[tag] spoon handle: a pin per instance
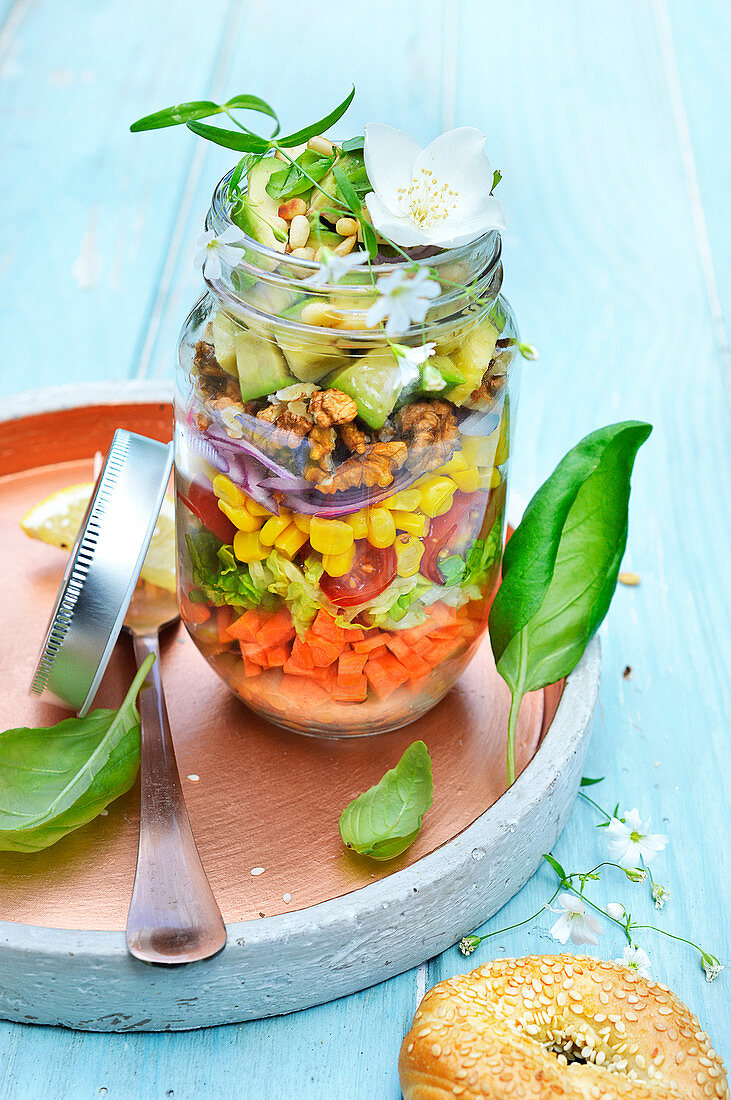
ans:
(173, 916)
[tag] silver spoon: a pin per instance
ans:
(173, 916)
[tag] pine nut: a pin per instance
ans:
(345, 246)
(629, 578)
(303, 253)
(346, 227)
(316, 313)
(299, 232)
(320, 145)
(289, 210)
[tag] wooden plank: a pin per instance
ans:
(88, 208)
(604, 267)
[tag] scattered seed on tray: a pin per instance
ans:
(629, 578)
(194, 778)
(627, 672)
(286, 898)
(257, 870)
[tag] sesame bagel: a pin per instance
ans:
(557, 1026)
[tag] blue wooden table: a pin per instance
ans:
(606, 121)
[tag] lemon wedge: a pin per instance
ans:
(57, 518)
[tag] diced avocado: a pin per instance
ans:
(224, 342)
(309, 359)
(472, 359)
(419, 389)
(261, 365)
(447, 369)
(350, 163)
(321, 237)
(257, 213)
(372, 382)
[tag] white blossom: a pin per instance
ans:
(630, 842)
(410, 359)
(333, 267)
(636, 959)
(615, 910)
(217, 249)
(439, 196)
(711, 966)
(576, 922)
(660, 894)
(403, 299)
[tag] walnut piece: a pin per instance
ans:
(354, 438)
(374, 467)
(332, 407)
(431, 428)
(212, 378)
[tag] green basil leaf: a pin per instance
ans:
(346, 189)
(230, 139)
(586, 782)
(353, 145)
(174, 116)
(317, 127)
(54, 780)
(560, 567)
(556, 866)
(385, 820)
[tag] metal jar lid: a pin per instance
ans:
(102, 571)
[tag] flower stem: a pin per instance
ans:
(520, 923)
(596, 805)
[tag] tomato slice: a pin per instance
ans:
(203, 503)
(371, 573)
(454, 531)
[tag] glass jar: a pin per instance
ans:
(341, 508)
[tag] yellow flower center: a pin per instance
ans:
(428, 201)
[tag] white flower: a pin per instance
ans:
(660, 894)
(630, 841)
(437, 196)
(468, 944)
(575, 922)
(615, 910)
(636, 959)
(403, 299)
(215, 249)
(410, 359)
(333, 267)
(711, 966)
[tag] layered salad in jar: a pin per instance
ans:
(344, 406)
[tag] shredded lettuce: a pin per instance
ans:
(471, 571)
(219, 577)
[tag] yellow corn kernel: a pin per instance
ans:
(408, 500)
(503, 447)
(225, 489)
(490, 479)
(409, 552)
(273, 528)
(302, 523)
(332, 537)
(434, 493)
(248, 546)
(257, 509)
(381, 528)
(337, 565)
(240, 517)
(456, 463)
(479, 450)
(359, 522)
(413, 522)
(290, 541)
(467, 480)
(444, 508)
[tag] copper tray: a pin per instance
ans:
(258, 797)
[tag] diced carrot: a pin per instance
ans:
(354, 634)
(423, 648)
(442, 650)
(414, 634)
(277, 655)
(323, 652)
(302, 654)
(245, 627)
(277, 631)
(291, 668)
(351, 693)
(254, 652)
(379, 651)
(398, 647)
(224, 617)
(251, 669)
(371, 642)
(385, 674)
(445, 633)
(192, 612)
(302, 692)
(350, 667)
(326, 627)
(417, 667)
(325, 677)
